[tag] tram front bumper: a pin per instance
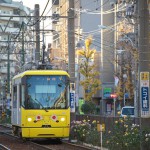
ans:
(45, 132)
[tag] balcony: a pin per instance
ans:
(2, 17)
(4, 69)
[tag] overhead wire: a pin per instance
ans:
(62, 12)
(102, 5)
(68, 8)
(50, 8)
(41, 16)
(97, 12)
(77, 2)
(108, 28)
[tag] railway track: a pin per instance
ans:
(2, 147)
(10, 142)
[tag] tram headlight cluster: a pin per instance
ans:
(62, 119)
(29, 119)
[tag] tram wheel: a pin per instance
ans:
(19, 133)
(25, 139)
(14, 131)
(58, 140)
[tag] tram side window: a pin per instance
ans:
(23, 95)
(15, 97)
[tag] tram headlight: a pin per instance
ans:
(29, 119)
(62, 119)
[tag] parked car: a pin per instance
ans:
(128, 111)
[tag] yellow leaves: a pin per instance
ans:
(90, 83)
(88, 53)
(116, 122)
(118, 112)
(88, 42)
(81, 52)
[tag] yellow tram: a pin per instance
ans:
(40, 104)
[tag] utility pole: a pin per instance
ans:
(71, 41)
(8, 78)
(8, 66)
(37, 32)
(43, 47)
(23, 58)
(144, 57)
(144, 61)
(71, 53)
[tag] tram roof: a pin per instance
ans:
(41, 72)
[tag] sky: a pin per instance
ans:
(42, 4)
(31, 4)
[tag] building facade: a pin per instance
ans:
(11, 27)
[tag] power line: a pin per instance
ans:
(41, 15)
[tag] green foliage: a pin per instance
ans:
(125, 135)
(88, 107)
(93, 137)
(79, 130)
(84, 131)
(5, 119)
(146, 138)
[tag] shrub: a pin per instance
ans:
(124, 135)
(88, 107)
(79, 130)
(146, 139)
(93, 136)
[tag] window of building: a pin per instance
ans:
(16, 12)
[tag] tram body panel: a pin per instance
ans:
(16, 107)
(48, 119)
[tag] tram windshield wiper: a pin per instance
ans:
(41, 105)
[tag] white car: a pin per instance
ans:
(127, 111)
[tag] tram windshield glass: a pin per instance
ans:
(47, 92)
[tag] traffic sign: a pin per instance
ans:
(145, 98)
(144, 76)
(144, 83)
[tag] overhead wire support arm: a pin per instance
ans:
(44, 30)
(19, 41)
(35, 16)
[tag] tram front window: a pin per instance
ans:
(47, 92)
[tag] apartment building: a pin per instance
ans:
(11, 25)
